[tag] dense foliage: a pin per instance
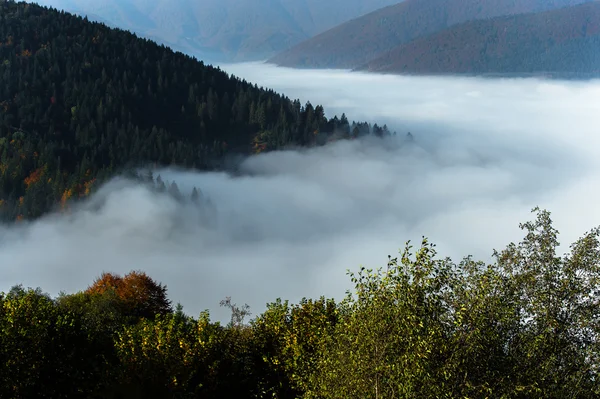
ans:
(525, 326)
(80, 101)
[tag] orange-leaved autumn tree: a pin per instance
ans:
(141, 295)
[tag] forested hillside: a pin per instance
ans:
(526, 326)
(558, 41)
(363, 39)
(80, 101)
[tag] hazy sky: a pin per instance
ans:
(485, 153)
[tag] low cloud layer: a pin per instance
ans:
(485, 153)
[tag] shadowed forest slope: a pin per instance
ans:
(80, 101)
(559, 41)
(361, 40)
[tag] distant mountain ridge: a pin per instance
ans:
(222, 30)
(566, 40)
(356, 42)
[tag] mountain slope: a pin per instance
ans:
(79, 102)
(356, 42)
(219, 30)
(559, 41)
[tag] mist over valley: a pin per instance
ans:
(290, 223)
(175, 228)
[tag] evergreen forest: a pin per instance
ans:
(81, 102)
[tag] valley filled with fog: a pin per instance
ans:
(289, 225)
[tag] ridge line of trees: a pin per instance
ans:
(81, 102)
(525, 326)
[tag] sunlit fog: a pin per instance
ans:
(289, 224)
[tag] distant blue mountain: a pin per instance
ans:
(223, 30)
(357, 42)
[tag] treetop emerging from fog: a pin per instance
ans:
(525, 326)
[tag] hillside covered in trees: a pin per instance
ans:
(525, 326)
(356, 42)
(80, 102)
(558, 41)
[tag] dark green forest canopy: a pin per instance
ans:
(79, 102)
(525, 326)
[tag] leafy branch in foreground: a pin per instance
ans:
(525, 326)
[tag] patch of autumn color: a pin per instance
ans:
(22, 155)
(259, 145)
(316, 132)
(88, 187)
(20, 218)
(34, 177)
(21, 201)
(2, 202)
(65, 197)
(105, 282)
(35, 154)
(141, 295)
(25, 53)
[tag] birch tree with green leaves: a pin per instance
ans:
(526, 326)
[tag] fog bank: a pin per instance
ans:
(485, 152)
